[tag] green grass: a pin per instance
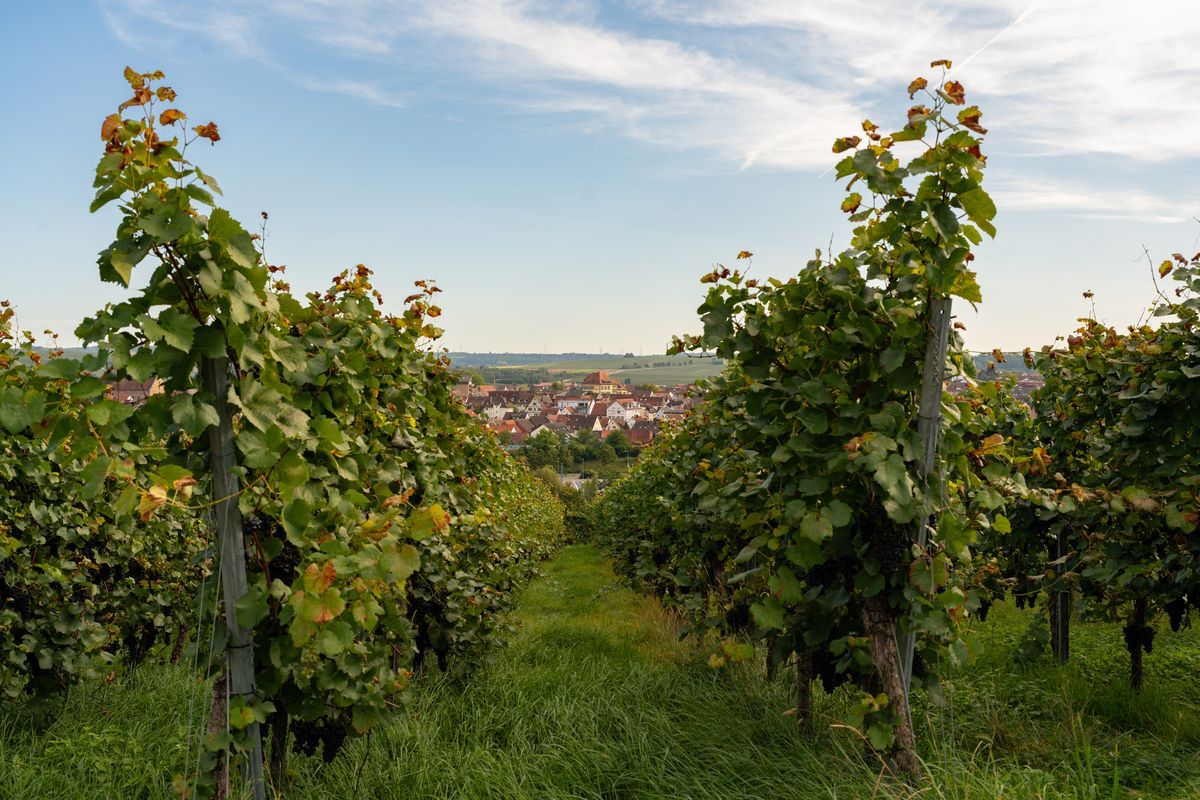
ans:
(613, 362)
(669, 376)
(597, 698)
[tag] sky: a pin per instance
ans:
(566, 171)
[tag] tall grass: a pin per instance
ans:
(597, 698)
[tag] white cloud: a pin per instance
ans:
(359, 89)
(1071, 76)
(752, 83)
(138, 23)
(1086, 200)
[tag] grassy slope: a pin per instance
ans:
(669, 376)
(610, 363)
(596, 698)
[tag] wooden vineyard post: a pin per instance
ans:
(929, 418)
(1060, 611)
(877, 618)
(804, 678)
(228, 520)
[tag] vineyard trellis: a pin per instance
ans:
(778, 510)
(382, 529)
(383, 524)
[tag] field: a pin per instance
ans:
(596, 697)
(640, 370)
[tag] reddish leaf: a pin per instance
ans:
(846, 143)
(941, 62)
(134, 78)
(140, 98)
(208, 131)
(171, 116)
(317, 580)
(955, 92)
(917, 85)
(969, 118)
(111, 124)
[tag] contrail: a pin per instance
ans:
(993, 40)
(1020, 18)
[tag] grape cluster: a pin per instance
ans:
(831, 572)
(984, 607)
(1138, 637)
(329, 734)
(891, 545)
(1176, 611)
(737, 618)
(284, 566)
(824, 667)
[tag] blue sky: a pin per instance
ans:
(566, 171)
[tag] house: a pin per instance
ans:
(496, 412)
(642, 432)
(540, 404)
(573, 423)
(134, 392)
(626, 409)
(462, 389)
(578, 404)
(517, 398)
(600, 382)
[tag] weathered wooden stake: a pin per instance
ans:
(877, 618)
(804, 679)
(929, 418)
(228, 519)
(218, 716)
(1138, 622)
(1060, 612)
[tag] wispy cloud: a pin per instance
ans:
(1093, 76)
(1083, 199)
(763, 84)
(141, 24)
(359, 89)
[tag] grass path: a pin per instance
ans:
(596, 698)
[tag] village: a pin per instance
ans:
(596, 402)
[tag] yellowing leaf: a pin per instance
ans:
(846, 143)
(151, 500)
(425, 522)
(171, 116)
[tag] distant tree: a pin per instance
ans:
(586, 446)
(621, 445)
(546, 450)
(474, 375)
(557, 386)
(548, 475)
(628, 355)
